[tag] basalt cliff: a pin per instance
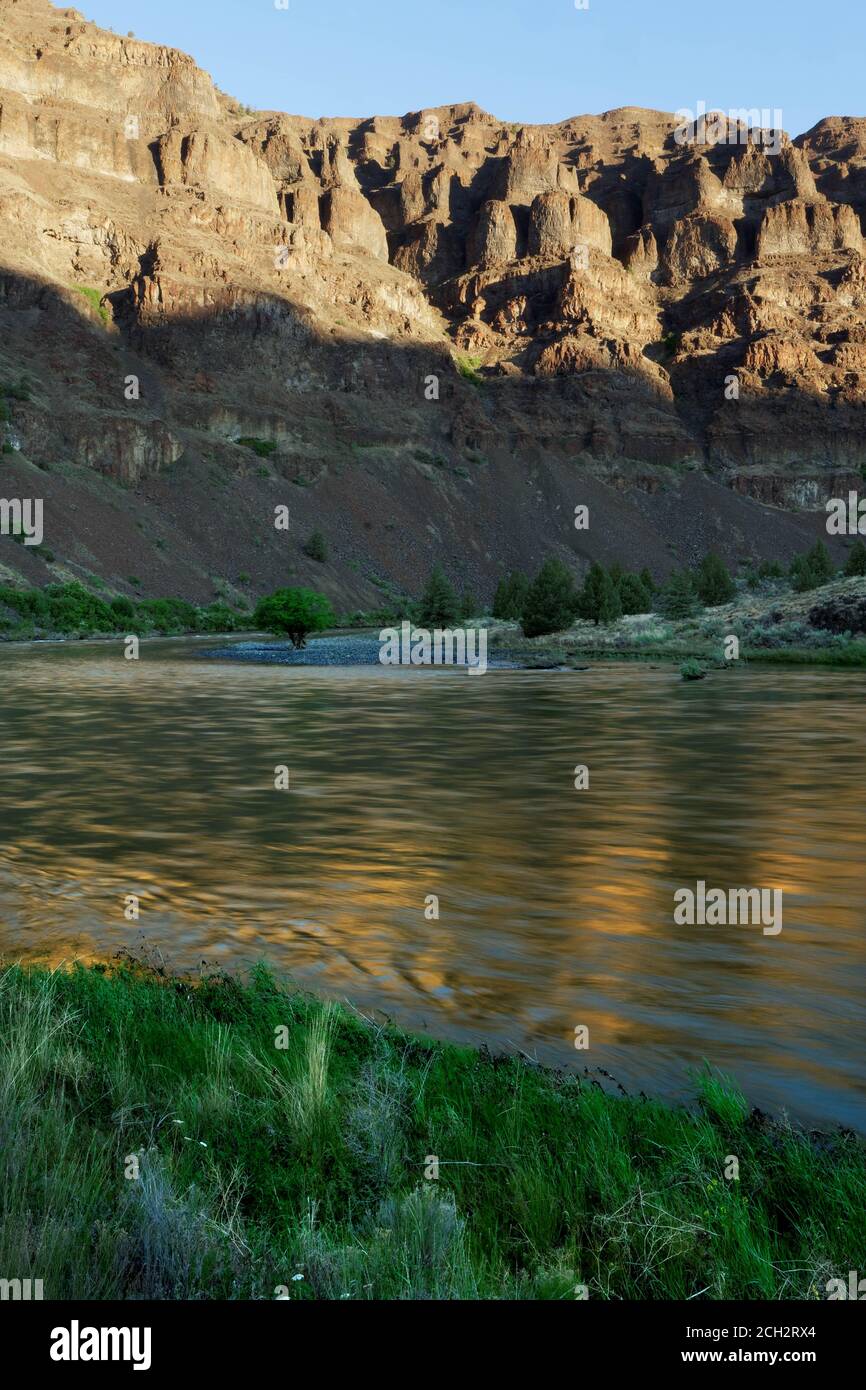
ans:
(437, 333)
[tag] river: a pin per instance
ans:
(156, 778)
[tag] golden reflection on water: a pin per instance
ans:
(556, 906)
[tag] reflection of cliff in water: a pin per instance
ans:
(555, 905)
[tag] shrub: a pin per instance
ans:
(294, 613)
(94, 299)
(17, 391)
(262, 447)
(169, 615)
(692, 671)
(217, 617)
(317, 548)
(75, 609)
(123, 610)
(468, 366)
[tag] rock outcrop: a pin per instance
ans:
(179, 274)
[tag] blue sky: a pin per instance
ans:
(522, 60)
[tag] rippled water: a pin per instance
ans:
(556, 906)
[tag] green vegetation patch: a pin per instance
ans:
(72, 610)
(468, 367)
(262, 447)
(228, 1140)
(94, 299)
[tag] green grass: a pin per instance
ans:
(852, 654)
(468, 367)
(258, 1163)
(94, 298)
(263, 448)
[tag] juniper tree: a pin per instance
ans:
(589, 602)
(634, 594)
(856, 562)
(811, 570)
(510, 597)
(678, 596)
(610, 603)
(713, 583)
(439, 604)
(550, 601)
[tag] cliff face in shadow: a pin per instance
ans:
(450, 331)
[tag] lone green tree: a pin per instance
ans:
(550, 601)
(713, 582)
(294, 613)
(439, 604)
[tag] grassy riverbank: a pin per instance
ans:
(303, 1165)
(772, 625)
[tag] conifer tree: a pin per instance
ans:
(678, 596)
(610, 603)
(510, 597)
(550, 602)
(439, 604)
(589, 600)
(856, 562)
(713, 583)
(634, 595)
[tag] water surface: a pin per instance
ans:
(156, 778)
